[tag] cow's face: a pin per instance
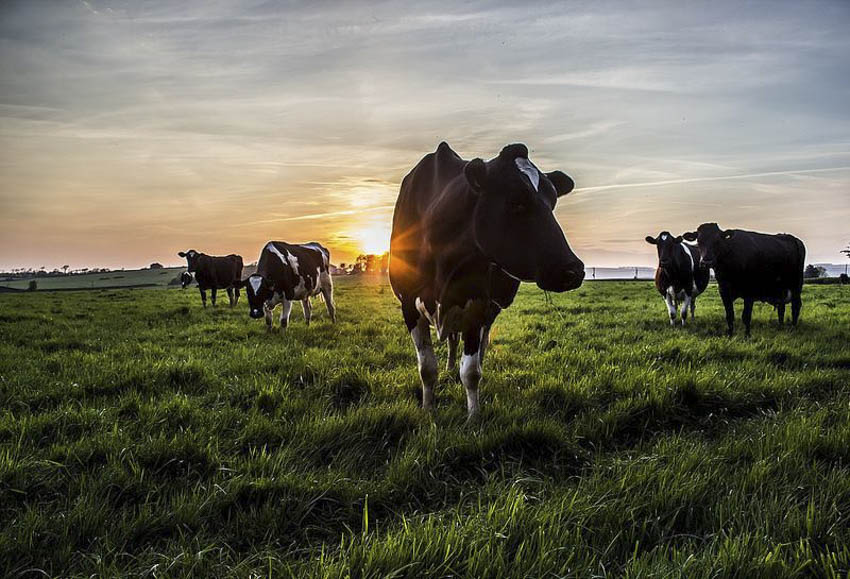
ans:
(186, 279)
(191, 258)
(713, 242)
(666, 245)
(513, 221)
(259, 290)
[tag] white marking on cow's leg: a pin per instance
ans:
(470, 375)
(327, 285)
(685, 305)
(421, 335)
(671, 305)
(451, 364)
(308, 310)
(267, 310)
(284, 314)
(485, 343)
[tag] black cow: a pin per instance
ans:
(755, 267)
(214, 273)
(465, 233)
(186, 279)
(679, 277)
(288, 272)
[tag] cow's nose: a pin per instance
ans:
(563, 280)
(256, 314)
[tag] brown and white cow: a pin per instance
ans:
(680, 277)
(464, 235)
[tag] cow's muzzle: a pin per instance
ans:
(257, 314)
(565, 280)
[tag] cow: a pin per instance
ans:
(287, 272)
(186, 280)
(679, 277)
(464, 235)
(214, 273)
(755, 267)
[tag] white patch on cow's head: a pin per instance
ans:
(256, 281)
(663, 237)
(529, 170)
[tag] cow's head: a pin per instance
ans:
(666, 245)
(513, 220)
(259, 290)
(713, 242)
(192, 258)
(186, 279)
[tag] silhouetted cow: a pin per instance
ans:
(465, 233)
(753, 266)
(679, 277)
(214, 273)
(287, 272)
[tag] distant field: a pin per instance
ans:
(136, 277)
(143, 435)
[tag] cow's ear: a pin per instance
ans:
(678, 239)
(181, 253)
(562, 182)
(728, 234)
(690, 236)
(475, 172)
(651, 240)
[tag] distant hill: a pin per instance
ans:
(126, 278)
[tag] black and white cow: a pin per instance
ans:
(465, 233)
(753, 266)
(680, 277)
(214, 273)
(186, 280)
(287, 272)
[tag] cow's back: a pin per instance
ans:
(761, 266)
(420, 190)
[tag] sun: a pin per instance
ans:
(373, 239)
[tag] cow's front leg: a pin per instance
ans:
(203, 296)
(267, 311)
(427, 361)
(286, 308)
(780, 313)
(212, 295)
(470, 369)
(451, 364)
(747, 315)
(729, 305)
(671, 306)
(308, 310)
(693, 307)
(328, 294)
(796, 305)
(230, 296)
(686, 304)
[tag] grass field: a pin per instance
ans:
(142, 435)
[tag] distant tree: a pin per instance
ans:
(813, 271)
(33, 285)
(65, 268)
(155, 265)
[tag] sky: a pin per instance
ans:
(133, 130)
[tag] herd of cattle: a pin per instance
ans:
(466, 233)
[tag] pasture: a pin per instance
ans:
(143, 435)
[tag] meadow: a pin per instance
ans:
(141, 435)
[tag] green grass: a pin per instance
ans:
(135, 277)
(143, 435)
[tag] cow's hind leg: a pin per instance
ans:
(729, 306)
(308, 310)
(470, 369)
(693, 307)
(485, 343)
(780, 313)
(328, 294)
(203, 296)
(747, 315)
(212, 295)
(685, 305)
(230, 296)
(796, 305)
(671, 306)
(284, 314)
(427, 360)
(451, 364)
